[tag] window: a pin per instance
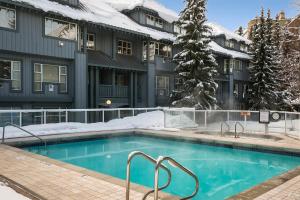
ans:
(154, 21)
(229, 43)
(162, 86)
(44, 73)
(243, 47)
(159, 49)
(228, 65)
(11, 70)
(245, 91)
(124, 47)
(90, 41)
(238, 65)
(60, 29)
(7, 18)
(178, 29)
(236, 89)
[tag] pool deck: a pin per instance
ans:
(51, 179)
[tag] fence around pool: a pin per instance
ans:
(288, 123)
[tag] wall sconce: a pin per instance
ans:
(60, 44)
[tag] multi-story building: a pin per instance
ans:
(91, 53)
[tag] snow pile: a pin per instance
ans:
(220, 30)
(165, 13)
(151, 120)
(98, 12)
(234, 54)
(9, 194)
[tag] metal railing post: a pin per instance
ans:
(67, 117)
(45, 117)
(103, 116)
(194, 116)
(285, 123)
(119, 113)
(228, 116)
(205, 118)
(132, 112)
(20, 119)
(85, 117)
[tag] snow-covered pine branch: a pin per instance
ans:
(196, 65)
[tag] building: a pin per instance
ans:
(283, 21)
(110, 53)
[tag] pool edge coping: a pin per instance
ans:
(266, 186)
(97, 175)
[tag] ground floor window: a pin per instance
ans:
(11, 70)
(162, 85)
(45, 73)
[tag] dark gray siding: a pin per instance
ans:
(27, 94)
(29, 38)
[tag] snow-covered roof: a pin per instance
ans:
(220, 30)
(233, 54)
(98, 12)
(165, 13)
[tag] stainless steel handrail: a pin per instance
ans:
(236, 135)
(224, 123)
(138, 153)
(10, 124)
(176, 164)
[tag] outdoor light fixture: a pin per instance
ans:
(108, 102)
(60, 44)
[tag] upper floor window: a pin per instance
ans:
(157, 48)
(162, 85)
(7, 18)
(229, 43)
(90, 41)
(238, 65)
(243, 47)
(154, 21)
(178, 29)
(124, 47)
(55, 74)
(11, 70)
(230, 64)
(60, 29)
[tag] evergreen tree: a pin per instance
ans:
(196, 66)
(262, 91)
(283, 95)
(240, 31)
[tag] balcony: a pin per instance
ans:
(113, 91)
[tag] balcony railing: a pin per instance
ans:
(110, 91)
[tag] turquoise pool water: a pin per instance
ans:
(222, 172)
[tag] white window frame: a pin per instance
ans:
(154, 21)
(87, 41)
(42, 76)
(166, 83)
(69, 23)
(12, 70)
(127, 48)
(15, 17)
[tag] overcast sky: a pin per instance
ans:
(234, 13)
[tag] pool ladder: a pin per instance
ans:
(158, 164)
(236, 134)
(18, 127)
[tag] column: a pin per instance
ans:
(135, 89)
(150, 79)
(84, 35)
(131, 90)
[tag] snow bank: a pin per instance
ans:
(9, 194)
(165, 13)
(234, 54)
(98, 12)
(151, 120)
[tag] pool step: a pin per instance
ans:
(158, 165)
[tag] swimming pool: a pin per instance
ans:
(222, 171)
